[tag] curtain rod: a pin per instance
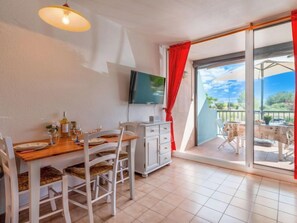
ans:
(249, 27)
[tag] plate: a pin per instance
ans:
(31, 146)
(95, 141)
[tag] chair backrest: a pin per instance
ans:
(8, 162)
(89, 152)
(129, 126)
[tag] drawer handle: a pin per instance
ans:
(165, 137)
(152, 130)
(165, 148)
(165, 128)
(165, 158)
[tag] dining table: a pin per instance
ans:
(283, 134)
(66, 150)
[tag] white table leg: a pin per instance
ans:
(280, 151)
(34, 190)
(237, 145)
(131, 157)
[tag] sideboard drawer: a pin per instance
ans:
(164, 148)
(165, 138)
(164, 128)
(165, 158)
(152, 130)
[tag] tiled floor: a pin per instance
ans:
(188, 191)
(263, 155)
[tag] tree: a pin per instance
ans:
(280, 101)
(241, 100)
(220, 105)
(211, 101)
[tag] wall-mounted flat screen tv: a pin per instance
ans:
(146, 88)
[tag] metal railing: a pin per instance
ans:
(239, 115)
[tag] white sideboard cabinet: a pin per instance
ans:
(153, 149)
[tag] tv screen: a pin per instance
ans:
(146, 88)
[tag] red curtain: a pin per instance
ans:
(294, 31)
(178, 55)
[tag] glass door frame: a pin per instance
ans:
(249, 108)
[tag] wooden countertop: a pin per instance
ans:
(65, 145)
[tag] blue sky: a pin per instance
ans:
(230, 90)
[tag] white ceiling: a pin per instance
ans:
(169, 21)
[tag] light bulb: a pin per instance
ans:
(65, 19)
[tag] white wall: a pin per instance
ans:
(183, 112)
(45, 71)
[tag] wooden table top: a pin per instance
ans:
(65, 145)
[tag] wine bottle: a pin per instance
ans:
(64, 126)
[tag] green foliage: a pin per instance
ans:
(281, 101)
(211, 101)
(220, 105)
(241, 100)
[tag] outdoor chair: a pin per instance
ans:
(224, 134)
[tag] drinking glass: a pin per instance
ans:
(77, 132)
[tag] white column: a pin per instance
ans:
(249, 101)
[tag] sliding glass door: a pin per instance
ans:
(220, 93)
(274, 87)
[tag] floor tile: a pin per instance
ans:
(238, 213)
(216, 205)
(268, 194)
(146, 188)
(121, 217)
(241, 203)
(256, 218)
(265, 211)
(210, 185)
(266, 202)
(190, 206)
(288, 200)
(198, 198)
(158, 193)
(199, 220)
(227, 190)
(229, 219)
(150, 217)
(222, 197)
(290, 209)
(135, 210)
(174, 200)
(148, 201)
(209, 214)
(245, 195)
(180, 216)
(204, 191)
(163, 208)
(286, 218)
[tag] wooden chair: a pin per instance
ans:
(19, 184)
(130, 129)
(94, 166)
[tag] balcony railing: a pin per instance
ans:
(239, 115)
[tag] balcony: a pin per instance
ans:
(263, 155)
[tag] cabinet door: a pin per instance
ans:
(152, 152)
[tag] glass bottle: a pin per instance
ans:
(65, 131)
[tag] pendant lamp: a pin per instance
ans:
(63, 17)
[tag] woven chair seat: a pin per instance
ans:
(123, 155)
(98, 169)
(48, 175)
